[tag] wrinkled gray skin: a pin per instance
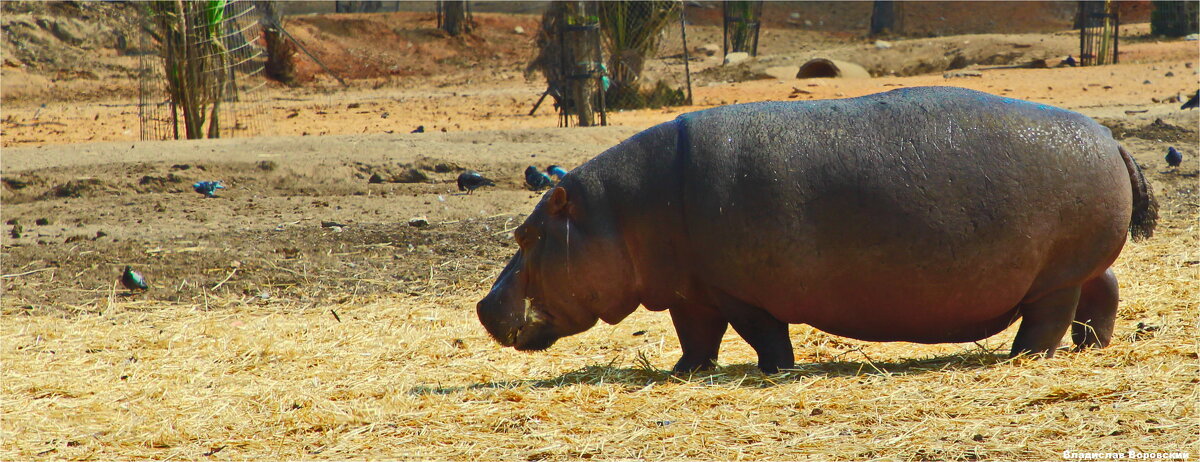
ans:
(925, 215)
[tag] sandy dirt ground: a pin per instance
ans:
(300, 231)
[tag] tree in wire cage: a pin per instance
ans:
(1175, 18)
(632, 31)
(742, 23)
(209, 59)
(194, 60)
(569, 56)
(1099, 33)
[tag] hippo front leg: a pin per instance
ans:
(700, 329)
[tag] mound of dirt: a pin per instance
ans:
(933, 56)
(415, 172)
(740, 72)
(54, 36)
(166, 183)
(390, 45)
(85, 187)
(1154, 131)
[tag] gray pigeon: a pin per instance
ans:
(470, 179)
(1174, 157)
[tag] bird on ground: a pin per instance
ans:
(208, 188)
(1192, 103)
(1070, 61)
(556, 171)
(470, 179)
(536, 179)
(419, 129)
(132, 280)
(1174, 157)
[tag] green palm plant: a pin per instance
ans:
(631, 31)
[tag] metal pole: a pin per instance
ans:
(687, 68)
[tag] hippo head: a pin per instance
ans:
(572, 269)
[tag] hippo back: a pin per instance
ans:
(926, 203)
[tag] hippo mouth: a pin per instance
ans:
(536, 333)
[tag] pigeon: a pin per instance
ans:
(1192, 103)
(419, 129)
(1070, 61)
(208, 188)
(536, 179)
(556, 171)
(470, 179)
(1174, 157)
(132, 280)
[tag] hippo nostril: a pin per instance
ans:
(491, 315)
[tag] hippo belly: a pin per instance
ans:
(898, 219)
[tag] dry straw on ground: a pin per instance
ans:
(416, 378)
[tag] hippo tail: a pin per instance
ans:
(1145, 207)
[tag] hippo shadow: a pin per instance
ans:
(746, 375)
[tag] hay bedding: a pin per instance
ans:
(415, 377)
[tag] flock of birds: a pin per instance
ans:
(468, 181)
(535, 179)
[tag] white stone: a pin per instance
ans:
(734, 58)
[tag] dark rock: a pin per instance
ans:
(446, 167)
(411, 175)
(15, 183)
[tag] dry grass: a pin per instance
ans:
(415, 377)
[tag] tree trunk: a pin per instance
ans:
(582, 49)
(883, 17)
(455, 22)
(280, 50)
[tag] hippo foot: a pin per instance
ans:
(700, 329)
(1044, 322)
(688, 365)
(1097, 312)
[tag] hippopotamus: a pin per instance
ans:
(929, 215)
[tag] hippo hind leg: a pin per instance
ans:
(763, 331)
(1045, 321)
(1097, 312)
(700, 329)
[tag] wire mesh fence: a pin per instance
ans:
(204, 76)
(1175, 18)
(1098, 33)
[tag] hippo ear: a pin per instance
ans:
(558, 204)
